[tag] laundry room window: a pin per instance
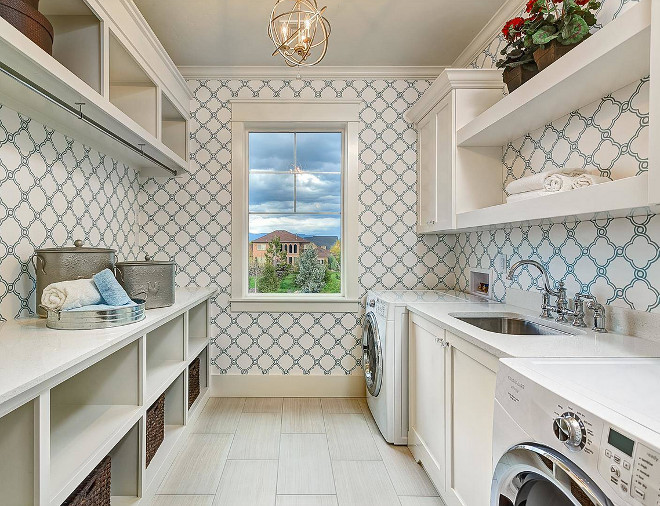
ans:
(298, 182)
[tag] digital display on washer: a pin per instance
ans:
(621, 442)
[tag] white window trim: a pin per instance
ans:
(297, 114)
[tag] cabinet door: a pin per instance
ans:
(426, 436)
(471, 386)
(426, 172)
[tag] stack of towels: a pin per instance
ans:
(551, 181)
(102, 292)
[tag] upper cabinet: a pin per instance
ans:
(109, 84)
(461, 175)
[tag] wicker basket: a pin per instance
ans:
(193, 381)
(95, 489)
(23, 15)
(155, 427)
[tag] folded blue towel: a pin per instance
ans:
(112, 292)
(100, 307)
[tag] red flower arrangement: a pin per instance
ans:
(513, 28)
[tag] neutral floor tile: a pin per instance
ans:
(349, 438)
(340, 405)
(197, 469)
(369, 418)
(263, 405)
(247, 483)
(361, 483)
(182, 500)
(421, 501)
(219, 416)
(306, 500)
(304, 466)
(302, 415)
(408, 477)
(257, 437)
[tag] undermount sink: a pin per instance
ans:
(511, 325)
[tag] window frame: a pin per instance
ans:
(260, 115)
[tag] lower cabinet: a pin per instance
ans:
(452, 395)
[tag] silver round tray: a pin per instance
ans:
(87, 320)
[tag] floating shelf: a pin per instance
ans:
(610, 59)
(622, 197)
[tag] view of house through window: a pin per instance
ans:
(295, 197)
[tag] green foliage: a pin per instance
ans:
(336, 251)
(311, 274)
(268, 282)
(333, 265)
(332, 283)
(277, 257)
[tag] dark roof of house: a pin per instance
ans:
(324, 241)
(283, 235)
(323, 253)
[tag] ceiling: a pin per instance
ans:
(364, 32)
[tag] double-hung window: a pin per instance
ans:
(294, 209)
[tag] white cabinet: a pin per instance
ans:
(452, 396)
(457, 96)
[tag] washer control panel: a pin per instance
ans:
(632, 468)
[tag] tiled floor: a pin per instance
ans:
(292, 452)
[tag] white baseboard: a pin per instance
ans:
(223, 385)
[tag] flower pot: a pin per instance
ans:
(24, 16)
(551, 53)
(515, 76)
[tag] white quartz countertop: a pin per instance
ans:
(31, 354)
(584, 343)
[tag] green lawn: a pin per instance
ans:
(288, 284)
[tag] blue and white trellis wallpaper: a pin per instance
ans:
(615, 259)
(53, 189)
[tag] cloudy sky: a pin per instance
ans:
(317, 182)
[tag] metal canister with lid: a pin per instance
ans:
(63, 264)
(148, 279)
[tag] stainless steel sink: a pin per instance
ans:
(511, 325)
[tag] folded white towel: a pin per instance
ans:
(537, 181)
(588, 180)
(558, 183)
(70, 294)
(518, 197)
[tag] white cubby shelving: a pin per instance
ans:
(108, 65)
(92, 402)
(470, 134)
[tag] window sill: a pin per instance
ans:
(295, 305)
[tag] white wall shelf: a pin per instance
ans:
(610, 59)
(81, 70)
(69, 398)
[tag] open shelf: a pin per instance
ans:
(165, 357)
(611, 58)
(125, 458)
(89, 414)
(203, 377)
(617, 198)
(131, 88)
(174, 128)
(77, 44)
(17, 463)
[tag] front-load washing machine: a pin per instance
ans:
(385, 354)
(577, 432)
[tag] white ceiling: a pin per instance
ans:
(364, 32)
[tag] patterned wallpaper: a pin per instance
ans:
(189, 220)
(615, 259)
(54, 190)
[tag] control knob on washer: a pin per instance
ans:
(568, 429)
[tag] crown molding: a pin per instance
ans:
(509, 9)
(278, 72)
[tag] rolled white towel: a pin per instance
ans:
(518, 197)
(588, 180)
(537, 181)
(70, 294)
(558, 183)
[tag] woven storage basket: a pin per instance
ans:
(193, 381)
(95, 489)
(155, 427)
(23, 15)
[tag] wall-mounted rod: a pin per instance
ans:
(77, 112)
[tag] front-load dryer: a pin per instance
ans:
(576, 432)
(385, 354)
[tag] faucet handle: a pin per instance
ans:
(599, 314)
(578, 310)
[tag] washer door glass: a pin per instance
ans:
(537, 475)
(372, 356)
